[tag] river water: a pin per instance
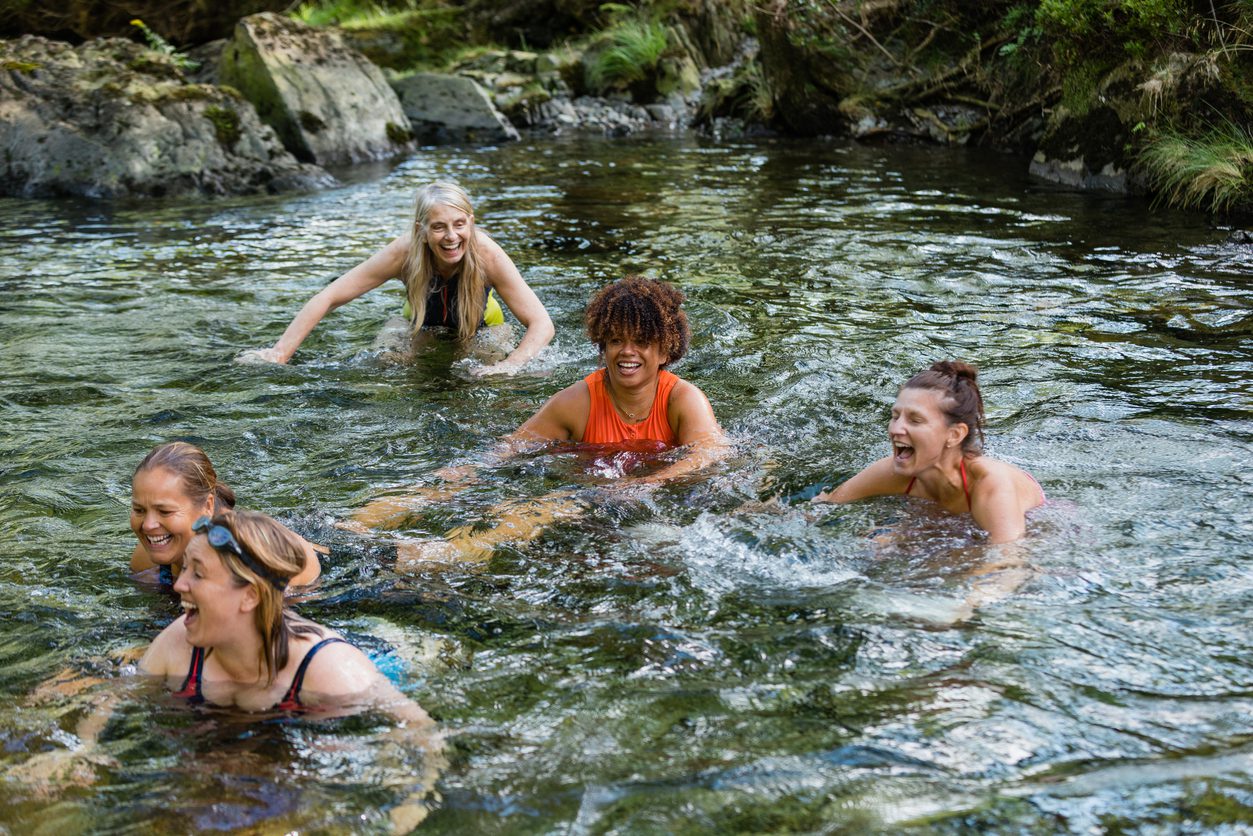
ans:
(715, 655)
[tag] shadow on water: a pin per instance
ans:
(718, 655)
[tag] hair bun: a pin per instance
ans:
(957, 370)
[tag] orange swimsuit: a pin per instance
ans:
(605, 426)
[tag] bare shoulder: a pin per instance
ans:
(987, 474)
(562, 417)
(170, 652)
(492, 254)
(338, 669)
(688, 393)
(690, 413)
(991, 476)
(395, 251)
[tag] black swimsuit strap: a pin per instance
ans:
(291, 699)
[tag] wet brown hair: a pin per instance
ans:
(962, 403)
(645, 310)
(282, 556)
(193, 468)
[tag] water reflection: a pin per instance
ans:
(708, 659)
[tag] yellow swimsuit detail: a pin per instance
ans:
(492, 313)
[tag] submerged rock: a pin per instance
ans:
(111, 118)
(328, 103)
(451, 108)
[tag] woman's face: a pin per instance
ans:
(162, 513)
(215, 605)
(448, 232)
(919, 431)
(631, 362)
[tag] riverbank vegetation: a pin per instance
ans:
(1161, 90)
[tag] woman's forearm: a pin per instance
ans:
(537, 336)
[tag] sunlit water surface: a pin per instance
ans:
(705, 657)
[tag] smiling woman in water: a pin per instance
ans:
(173, 486)
(450, 269)
(936, 433)
(631, 403)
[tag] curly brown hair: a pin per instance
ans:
(639, 309)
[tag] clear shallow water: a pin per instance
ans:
(702, 658)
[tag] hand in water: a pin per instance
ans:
(501, 368)
(457, 473)
(260, 355)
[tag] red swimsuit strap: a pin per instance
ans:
(195, 672)
(965, 485)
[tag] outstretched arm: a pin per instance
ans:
(517, 295)
(46, 773)
(556, 420)
(366, 276)
(876, 480)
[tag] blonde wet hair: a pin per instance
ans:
(279, 557)
(418, 270)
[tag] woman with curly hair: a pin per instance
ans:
(632, 403)
(937, 454)
(450, 269)
(640, 328)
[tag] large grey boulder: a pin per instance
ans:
(111, 118)
(328, 104)
(451, 108)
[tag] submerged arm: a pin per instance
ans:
(339, 674)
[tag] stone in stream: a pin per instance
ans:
(111, 118)
(451, 108)
(327, 103)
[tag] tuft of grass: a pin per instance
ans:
(344, 12)
(1213, 172)
(630, 53)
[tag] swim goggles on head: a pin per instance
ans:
(220, 537)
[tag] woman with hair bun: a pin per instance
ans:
(172, 487)
(936, 433)
(450, 269)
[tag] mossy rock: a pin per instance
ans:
(19, 66)
(225, 124)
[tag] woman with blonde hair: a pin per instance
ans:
(172, 487)
(451, 271)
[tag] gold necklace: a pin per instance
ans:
(631, 416)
